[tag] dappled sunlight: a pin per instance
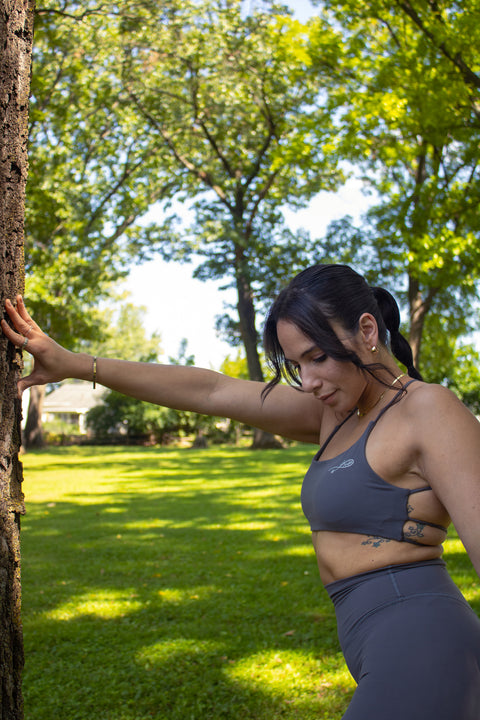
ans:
(286, 542)
(293, 678)
(191, 594)
(461, 570)
(246, 524)
(453, 545)
(199, 591)
(166, 651)
(106, 604)
(292, 675)
(472, 595)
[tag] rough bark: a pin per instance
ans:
(16, 35)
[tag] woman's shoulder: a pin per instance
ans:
(425, 396)
(431, 405)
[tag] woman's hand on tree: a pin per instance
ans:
(50, 359)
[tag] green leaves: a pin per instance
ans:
(408, 120)
(139, 104)
(87, 184)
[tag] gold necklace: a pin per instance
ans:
(362, 413)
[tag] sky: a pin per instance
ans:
(177, 306)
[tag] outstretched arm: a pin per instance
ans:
(285, 411)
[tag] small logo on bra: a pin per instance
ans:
(343, 465)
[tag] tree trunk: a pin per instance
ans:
(16, 35)
(248, 331)
(419, 307)
(246, 314)
(33, 433)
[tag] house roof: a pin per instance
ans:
(77, 397)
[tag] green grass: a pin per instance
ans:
(178, 585)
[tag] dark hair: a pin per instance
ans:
(323, 294)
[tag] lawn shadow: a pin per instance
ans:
(194, 598)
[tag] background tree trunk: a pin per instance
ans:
(16, 36)
(33, 432)
(246, 314)
(419, 306)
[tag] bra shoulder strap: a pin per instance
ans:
(371, 424)
(334, 431)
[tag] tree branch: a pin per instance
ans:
(470, 78)
(200, 174)
(197, 113)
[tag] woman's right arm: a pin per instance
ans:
(285, 411)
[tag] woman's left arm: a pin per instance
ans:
(449, 443)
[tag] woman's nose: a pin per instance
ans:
(310, 381)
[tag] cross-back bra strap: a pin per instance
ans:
(421, 489)
(427, 522)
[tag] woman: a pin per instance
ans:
(398, 459)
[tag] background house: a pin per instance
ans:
(69, 404)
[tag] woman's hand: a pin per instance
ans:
(51, 361)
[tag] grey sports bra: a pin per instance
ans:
(344, 494)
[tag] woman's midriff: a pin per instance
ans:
(340, 555)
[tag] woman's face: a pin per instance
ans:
(337, 384)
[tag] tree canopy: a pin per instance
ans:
(238, 115)
(84, 191)
(190, 101)
(408, 116)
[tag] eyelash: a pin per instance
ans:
(316, 360)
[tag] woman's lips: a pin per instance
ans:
(329, 398)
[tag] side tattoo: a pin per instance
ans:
(375, 541)
(415, 530)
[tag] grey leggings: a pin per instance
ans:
(411, 642)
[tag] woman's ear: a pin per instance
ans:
(368, 331)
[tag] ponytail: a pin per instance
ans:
(399, 344)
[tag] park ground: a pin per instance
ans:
(179, 584)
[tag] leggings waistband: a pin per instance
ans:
(338, 587)
(357, 595)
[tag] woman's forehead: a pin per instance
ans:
(294, 342)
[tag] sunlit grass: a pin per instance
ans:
(106, 604)
(178, 585)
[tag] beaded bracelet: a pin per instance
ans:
(94, 373)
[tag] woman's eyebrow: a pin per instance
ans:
(308, 351)
(304, 353)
